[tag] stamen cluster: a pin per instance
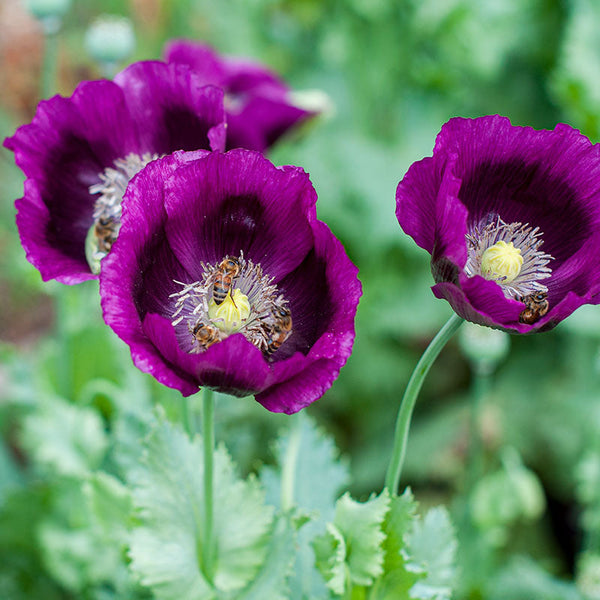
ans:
(107, 208)
(257, 309)
(493, 232)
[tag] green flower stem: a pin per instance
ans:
(208, 439)
(392, 478)
(188, 415)
(48, 82)
(480, 388)
(289, 464)
(65, 303)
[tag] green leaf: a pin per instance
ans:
(168, 493)
(110, 505)
(360, 524)
(318, 474)
(272, 579)
(330, 552)
(80, 550)
(131, 425)
(63, 438)
(350, 552)
(398, 577)
(71, 556)
(398, 523)
(22, 575)
(432, 546)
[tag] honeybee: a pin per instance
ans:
(106, 234)
(281, 328)
(205, 335)
(536, 306)
(227, 271)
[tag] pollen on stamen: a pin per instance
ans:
(251, 305)
(107, 208)
(508, 253)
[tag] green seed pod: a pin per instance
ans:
(110, 39)
(483, 347)
(92, 255)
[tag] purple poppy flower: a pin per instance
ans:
(511, 218)
(258, 104)
(79, 153)
(223, 277)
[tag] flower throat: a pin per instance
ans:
(510, 255)
(234, 296)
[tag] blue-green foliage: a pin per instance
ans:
(316, 478)
(381, 549)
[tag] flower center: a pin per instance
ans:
(510, 255)
(107, 209)
(501, 261)
(232, 313)
(234, 296)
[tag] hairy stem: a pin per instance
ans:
(188, 417)
(392, 478)
(208, 440)
(289, 465)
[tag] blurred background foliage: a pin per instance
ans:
(528, 517)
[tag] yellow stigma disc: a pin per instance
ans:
(502, 262)
(231, 314)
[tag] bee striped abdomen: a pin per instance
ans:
(226, 272)
(280, 330)
(205, 335)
